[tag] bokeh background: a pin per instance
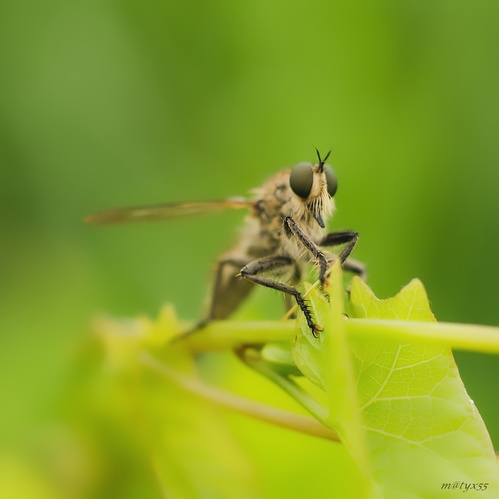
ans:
(106, 104)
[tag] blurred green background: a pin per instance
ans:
(106, 104)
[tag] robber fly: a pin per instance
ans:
(285, 230)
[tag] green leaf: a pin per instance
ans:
(181, 436)
(400, 408)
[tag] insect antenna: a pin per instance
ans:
(321, 161)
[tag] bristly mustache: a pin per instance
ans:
(315, 208)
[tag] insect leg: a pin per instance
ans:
(350, 237)
(265, 264)
(345, 236)
(291, 228)
(355, 267)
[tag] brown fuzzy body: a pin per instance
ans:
(264, 235)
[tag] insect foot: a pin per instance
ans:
(316, 330)
(325, 282)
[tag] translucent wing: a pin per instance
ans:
(165, 211)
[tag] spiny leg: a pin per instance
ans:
(265, 264)
(291, 228)
(341, 237)
(350, 237)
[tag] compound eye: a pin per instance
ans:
(332, 181)
(301, 179)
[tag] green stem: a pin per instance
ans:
(273, 415)
(468, 337)
(225, 335)
(252, 357)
